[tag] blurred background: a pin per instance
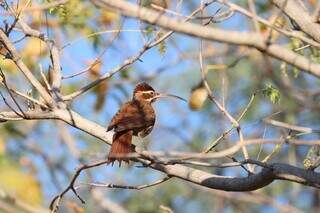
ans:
(37, 158)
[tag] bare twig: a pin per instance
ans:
(290, 126)
(98, 59)
(54, 205)
(248, 39)
(129, 61)
(4, 81)
(27, 97)
(297, 11)
(254, 15)
(221, 108)
(10, 107)
(112, 186)
(267, 23)
(255, 181)
(24, 69)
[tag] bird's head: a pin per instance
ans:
(144, 92)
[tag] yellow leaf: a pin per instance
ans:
(33, 47)
(8, 65)
(20, 184)
(197, 98)
(108, 16)
(95, 68)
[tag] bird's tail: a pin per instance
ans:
(121, 146)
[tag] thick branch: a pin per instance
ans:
(77, 121)
(232, 37)
(265, 177)
(202, 178)
(24, 69)
(30, 115)
(253, 182)
(297, 12)
(130, 60)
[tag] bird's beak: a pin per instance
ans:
(165, 95)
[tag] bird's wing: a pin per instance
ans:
(130, 116)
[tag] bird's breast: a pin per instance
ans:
(149, 118)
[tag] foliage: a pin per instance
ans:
(272, 93)
(19, 184)
(93, 42)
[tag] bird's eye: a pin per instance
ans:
(151, 93)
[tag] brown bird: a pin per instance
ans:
(135, 118)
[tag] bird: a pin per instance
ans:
(134, 118)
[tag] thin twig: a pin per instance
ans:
(129, 61)
(254, 15)
(290, 126)
(98, 59)
(4, 81)
(110, 185)
(224, 134)
(267, 23)
(54, 205)
(117, 31)
(220, 107)
(27, 97)
(10, 107)
(24, 69)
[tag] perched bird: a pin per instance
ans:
(134, 118)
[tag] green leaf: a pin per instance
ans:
(296, 72)
(272, 93)
(124, 74)
(273, 153)
(162, 48)
(51, 10)
(296, 43)
(149, 30)
(312, 160)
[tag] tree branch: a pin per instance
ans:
(129, 61)
(232, 37)
(24, 69)
(298, 12)
(267, 175)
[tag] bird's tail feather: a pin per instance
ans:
(121, 146)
